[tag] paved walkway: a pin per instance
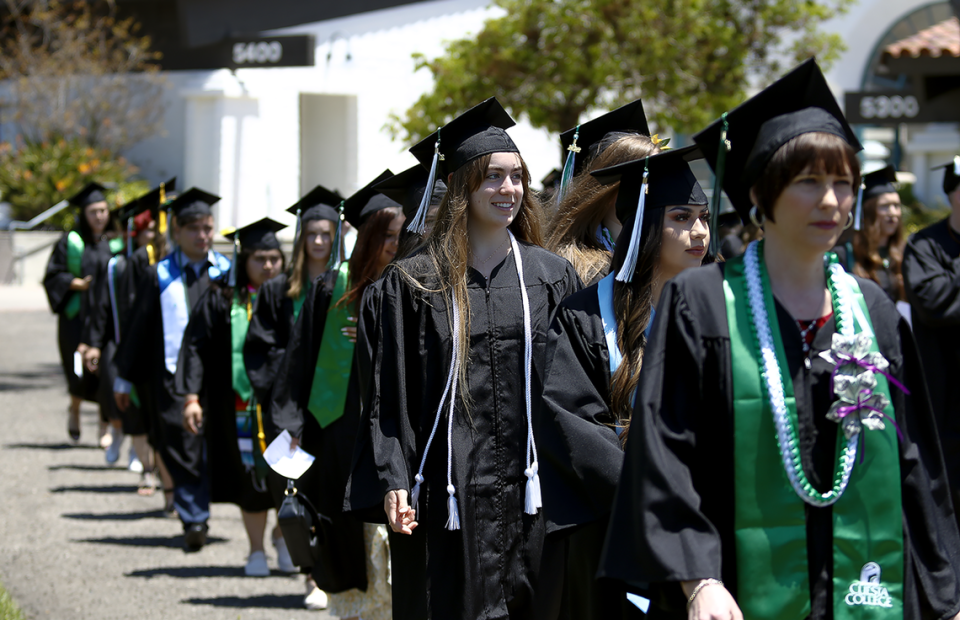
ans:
(78, 542)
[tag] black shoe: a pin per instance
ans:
(194, 536)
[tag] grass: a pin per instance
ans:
(8, 609)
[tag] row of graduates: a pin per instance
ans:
(744, 488)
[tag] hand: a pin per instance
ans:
(82, 348)
(91, 359)
(400, 516)
(122, 399)
(81, 284)
(350, 331)
(192, 416)
(713, 602)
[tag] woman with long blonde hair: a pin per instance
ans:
(447, 448)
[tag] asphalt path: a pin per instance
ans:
(78, 542)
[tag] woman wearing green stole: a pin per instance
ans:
(783, 460)
(316, 399)
(76, 259)
(218, 397)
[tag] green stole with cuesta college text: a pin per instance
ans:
(770, 518)
(328, 392)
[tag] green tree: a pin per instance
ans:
(552, 60)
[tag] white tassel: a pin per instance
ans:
(419, 222)
(296, 234)
(338, 239)
(633, 250)
(453, 513)
(532, 498)
(415, 493)
(858, 210)
(956, 165)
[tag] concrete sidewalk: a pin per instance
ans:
(28, 297)
(79, 543)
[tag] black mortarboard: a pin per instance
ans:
(951, 175)
(800, 102)
(151, 201)
(879, 182)
(587, 139)
(655, 182)
(91, 193)
(319, 203)
(358, 207)
(260, 235)
(193, 203)
(407, 189)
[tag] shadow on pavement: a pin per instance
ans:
(172, 542)
(116, 516)
(51, 446)
(31, 380)
(264, 601)
(74, 467)
(114, 488)
(189, 572)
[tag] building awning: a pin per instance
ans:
(940, 40)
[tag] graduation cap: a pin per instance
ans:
(260, 235)
(193, 203)
(367, 200)
(741, 143)
(951, 175)
(477, 132)
(592, 136)
(407, 188)
(658, 181)
(91, 193)
(319, 203)
(153, 202)
(873, 184)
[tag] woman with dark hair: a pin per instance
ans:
(316, 399)
(68, 280)
(595, 352)
(878, 241)
(783, 461)
(211, 371)
(585, 226)
(460, 339)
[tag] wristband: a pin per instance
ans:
(187, 401)
(700, 586)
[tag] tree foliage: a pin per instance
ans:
(552, 60)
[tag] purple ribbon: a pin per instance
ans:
(846, 410)
(850, 359)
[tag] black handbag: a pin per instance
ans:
(302, 526)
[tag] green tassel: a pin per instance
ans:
(568, 166)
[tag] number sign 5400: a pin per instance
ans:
(261, 52)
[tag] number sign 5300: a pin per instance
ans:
(889, 107)
(260, 52)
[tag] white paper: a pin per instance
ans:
(288, 463)
(639, 601)
(77, 364)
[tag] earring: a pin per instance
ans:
(753, 217)
(849, 221)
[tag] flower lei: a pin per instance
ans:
(853, 381)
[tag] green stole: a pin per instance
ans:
(328, 392)
(239, 323)
(770, 523)
(75, 248)
(298, 302)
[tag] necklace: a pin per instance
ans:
(494, 253)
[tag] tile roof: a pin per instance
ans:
(943, 39)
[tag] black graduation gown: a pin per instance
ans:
(139, 359)
(332, 446)
(268, 335)
(205, 369)
(488, 568)
(56, 282)
(581, 457)
(673, 515)
(931, 275)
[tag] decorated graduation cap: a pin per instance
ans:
(655, 182)
(193, 203)
(319, 203)
(90, 194)
(408, 187)
(951, 175)
(477, 132)
(741, 143)
(260, 235)
(596, 135)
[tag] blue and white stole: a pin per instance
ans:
(174, 304)
(609, 318)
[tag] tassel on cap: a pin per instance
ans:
(129, 237)
(722, 150)
(633, 250)
(338, 239)
(296, 233)
(569, 165)
(956, 165)
(232, 280)
(858, 210)
(162, 224)
(419, 222)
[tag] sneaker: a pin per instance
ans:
(134, 465)
(284, 561)
(257, 565)
(316, 600)
(113, 450)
